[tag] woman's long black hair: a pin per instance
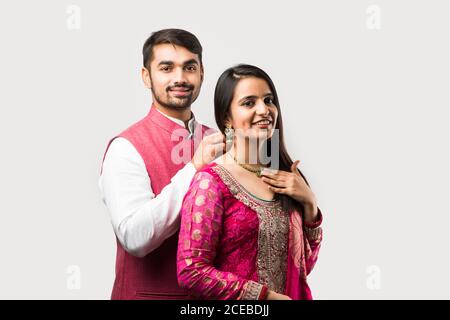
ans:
(223, 96)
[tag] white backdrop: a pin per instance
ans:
(363, 86)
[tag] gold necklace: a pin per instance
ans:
(249, 168)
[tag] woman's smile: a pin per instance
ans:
(263, 124)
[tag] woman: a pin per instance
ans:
(247, 231)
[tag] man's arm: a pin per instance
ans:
(140, 220)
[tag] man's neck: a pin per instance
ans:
(183, 115)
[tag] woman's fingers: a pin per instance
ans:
(294, 167)
(274, 174)
(270, 171)
(277, 190)
(274, 182)
(277, 175)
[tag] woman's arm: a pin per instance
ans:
(313, 239)
(201, 225)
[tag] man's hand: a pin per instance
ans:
(211, 147)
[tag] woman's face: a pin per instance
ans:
(253, 113)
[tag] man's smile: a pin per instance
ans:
(180, 91)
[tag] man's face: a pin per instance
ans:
(175, 76)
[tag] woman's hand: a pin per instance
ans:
(293, 185)
(272, 295)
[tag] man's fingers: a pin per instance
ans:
(215, 138)
(218, 149)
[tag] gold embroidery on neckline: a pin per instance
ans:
(273, 233)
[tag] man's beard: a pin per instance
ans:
(176, 103)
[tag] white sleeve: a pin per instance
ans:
(140, 220)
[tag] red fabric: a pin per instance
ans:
(263, 294)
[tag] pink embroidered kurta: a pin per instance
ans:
(233, 245)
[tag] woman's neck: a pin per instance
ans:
(245, 153)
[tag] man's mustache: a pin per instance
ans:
(185, 86)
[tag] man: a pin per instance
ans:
(143, 181)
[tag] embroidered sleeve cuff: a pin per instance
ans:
(317, 223)
(313, 230)
(252, 291)
(314, 235)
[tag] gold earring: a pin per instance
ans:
(229, 134)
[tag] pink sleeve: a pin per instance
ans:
(313, 240)
(200, 231)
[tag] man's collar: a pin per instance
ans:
(191, 122)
